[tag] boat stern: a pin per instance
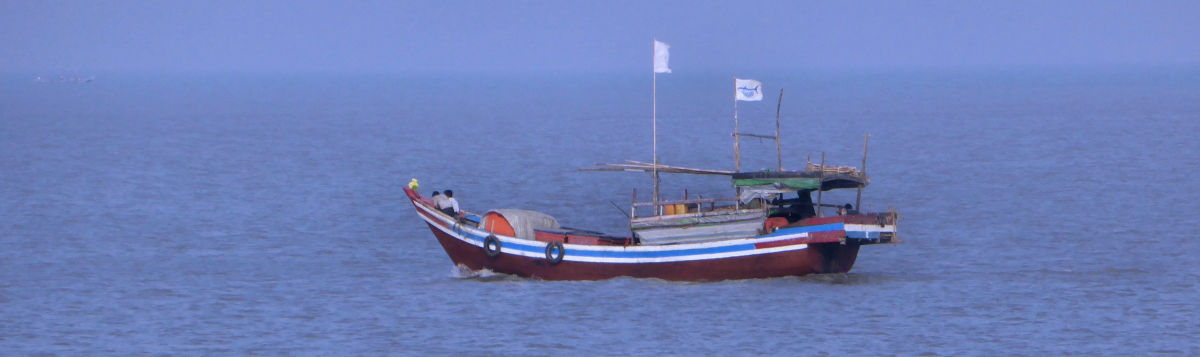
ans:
(872, 228)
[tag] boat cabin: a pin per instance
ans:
(766, 200)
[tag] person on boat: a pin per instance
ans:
(451, 207)
(848, 209)
(440, 201)
(801, 207)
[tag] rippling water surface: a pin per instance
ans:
(1044, 213)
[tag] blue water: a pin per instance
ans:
(1044, 213)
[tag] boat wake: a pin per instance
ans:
(843, 278)
(462, 272)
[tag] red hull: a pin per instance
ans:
(817, 258)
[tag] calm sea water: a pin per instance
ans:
(1044, 213)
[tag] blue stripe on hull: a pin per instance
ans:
(663, 253)
(807, 229)
(535, 247)
(540, 247)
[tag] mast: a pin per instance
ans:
(858, 199)
(654, 121)
(820, 184)
(737, 151)
(778, 149)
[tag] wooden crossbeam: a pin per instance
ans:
(772, 137)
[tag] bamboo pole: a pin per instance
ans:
(820, 183)
(654, 121)
(685, 198)
(858, 199)
(657, 202)
(737, 152)
(778, 148)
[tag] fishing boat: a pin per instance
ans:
(689, 240)
(771, 227)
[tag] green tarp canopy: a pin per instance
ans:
(798, 180)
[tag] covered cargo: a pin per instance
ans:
(517, 222)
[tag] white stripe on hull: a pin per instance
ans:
(613, 254)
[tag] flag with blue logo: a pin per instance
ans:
(747, 89)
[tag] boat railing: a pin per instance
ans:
(681, 207)
(871, 218)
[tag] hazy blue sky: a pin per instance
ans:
(54, 37)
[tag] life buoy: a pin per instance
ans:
(552, 249)
(489, 243)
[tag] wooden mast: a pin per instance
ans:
(820, 184)
(858, 199)
(778, 149)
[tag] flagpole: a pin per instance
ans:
(737, 152)
(654, 121)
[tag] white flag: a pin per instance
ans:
(661, 55)
(747, 90)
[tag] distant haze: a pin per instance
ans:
(81, 37)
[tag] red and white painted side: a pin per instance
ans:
(822, 247)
